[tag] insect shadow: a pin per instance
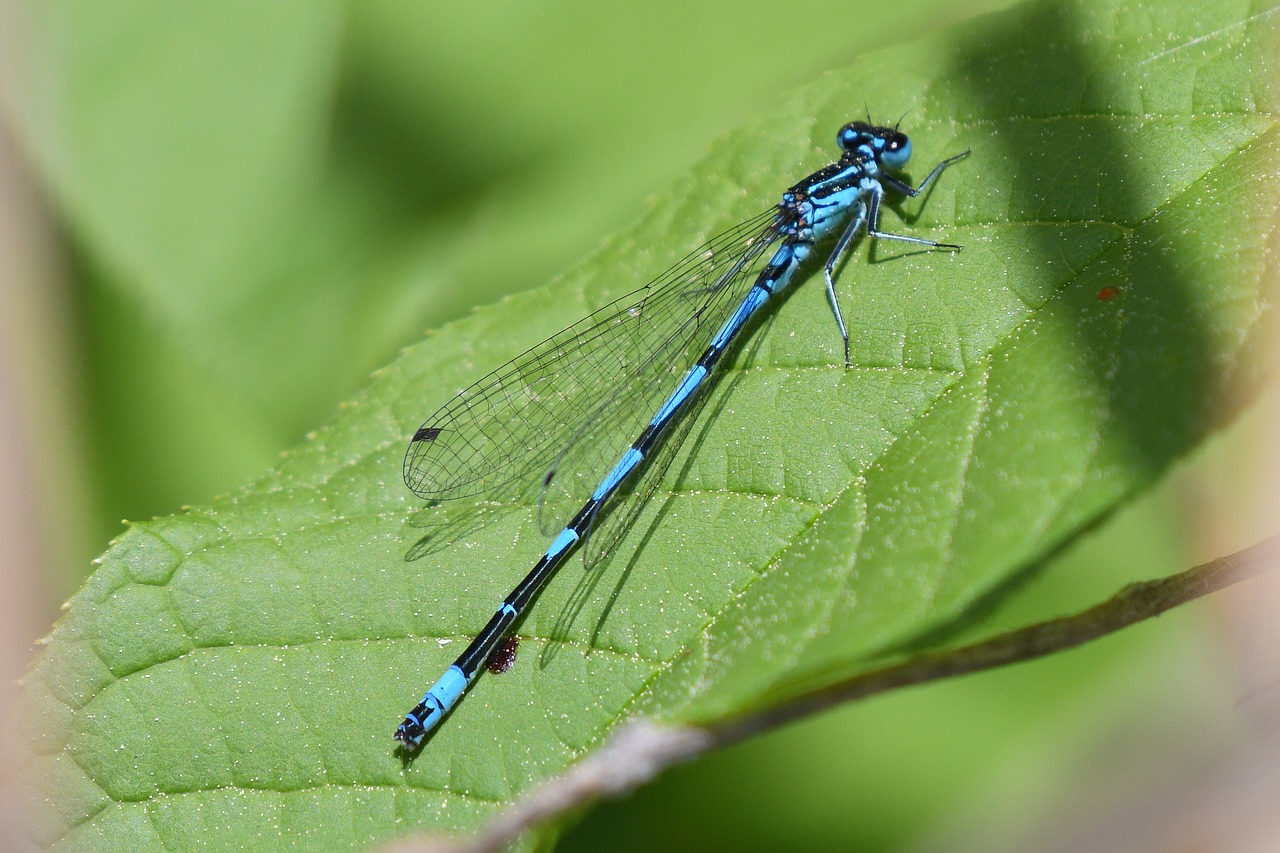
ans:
(595, 571)
(441, 524)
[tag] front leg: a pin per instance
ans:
(873, 216)
(910, 191)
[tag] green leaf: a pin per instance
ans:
(233, 674)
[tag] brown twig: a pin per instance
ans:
(640, 750)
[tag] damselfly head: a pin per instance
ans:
(886, 144)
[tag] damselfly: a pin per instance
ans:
(555, 420)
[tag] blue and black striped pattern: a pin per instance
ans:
(637, 369)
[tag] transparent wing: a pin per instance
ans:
(610, 524)
(615, 517)
(619, 417)
(504, 433)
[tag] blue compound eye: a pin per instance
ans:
(853, 134)
(897, 151)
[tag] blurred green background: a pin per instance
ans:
(230, 214)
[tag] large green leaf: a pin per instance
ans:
(233, 674)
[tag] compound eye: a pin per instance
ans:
(852, 135)
(897, 151)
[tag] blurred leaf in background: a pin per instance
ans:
(263, 203)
